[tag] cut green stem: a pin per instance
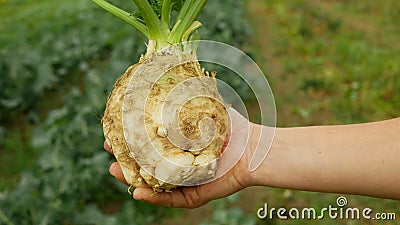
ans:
(157, 29)
(156, 23)
(188, 14)
(166, 12)
(125, 16)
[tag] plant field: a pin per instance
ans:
(328, 62)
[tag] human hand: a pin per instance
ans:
(238, 177)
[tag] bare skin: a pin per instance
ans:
(357, 159)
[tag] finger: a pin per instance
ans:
(108, 148)
(116, 171)
(149, 196)
(189, 197)
(176, 198)
(228, 136)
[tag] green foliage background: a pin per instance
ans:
(58, 62)
(329, 62)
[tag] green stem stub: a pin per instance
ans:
(153, 19)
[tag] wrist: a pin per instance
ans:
(256, 155)
(293, 162)
(276, 170)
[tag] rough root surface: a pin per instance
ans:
(165, 122)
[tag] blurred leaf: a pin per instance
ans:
(74, 50)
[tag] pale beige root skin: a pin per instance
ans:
(196, 158)
(113, 130)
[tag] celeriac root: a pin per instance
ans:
(183, 116)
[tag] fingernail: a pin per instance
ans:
(137, 195)
(112, 168)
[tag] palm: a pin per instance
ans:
(231, 170)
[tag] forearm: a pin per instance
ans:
(356, 159)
